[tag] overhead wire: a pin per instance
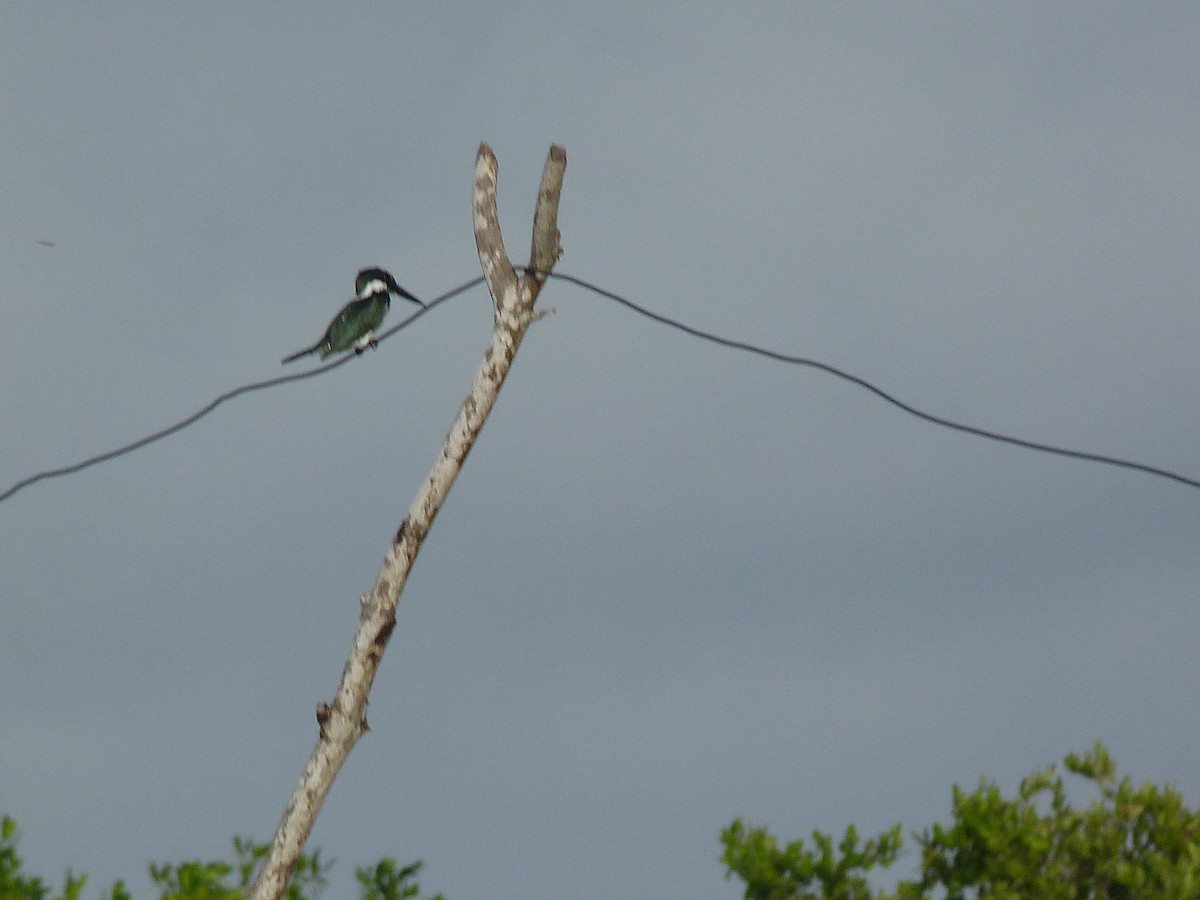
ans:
(655, 317)
(228, 395)
(880, 392)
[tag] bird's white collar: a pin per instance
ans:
(374, 286)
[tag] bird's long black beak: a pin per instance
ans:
(396, 289)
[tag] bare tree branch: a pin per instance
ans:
(546, 249)
(341, 723)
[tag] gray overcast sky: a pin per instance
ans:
(675, 583)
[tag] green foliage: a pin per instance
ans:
(14, 885)
(387, 882)
(1130, 842)
(789, 874)
(196, 880)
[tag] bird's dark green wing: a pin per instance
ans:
(357, 318)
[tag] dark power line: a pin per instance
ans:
(880, 392)
(664, 320)
(228, 395)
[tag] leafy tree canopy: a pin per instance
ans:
(1130, 842)
(216, 880)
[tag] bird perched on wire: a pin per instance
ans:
(353, 328)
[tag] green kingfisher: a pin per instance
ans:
(354, 327)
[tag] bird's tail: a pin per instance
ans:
(299, 353)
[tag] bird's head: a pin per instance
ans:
(372, 281)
